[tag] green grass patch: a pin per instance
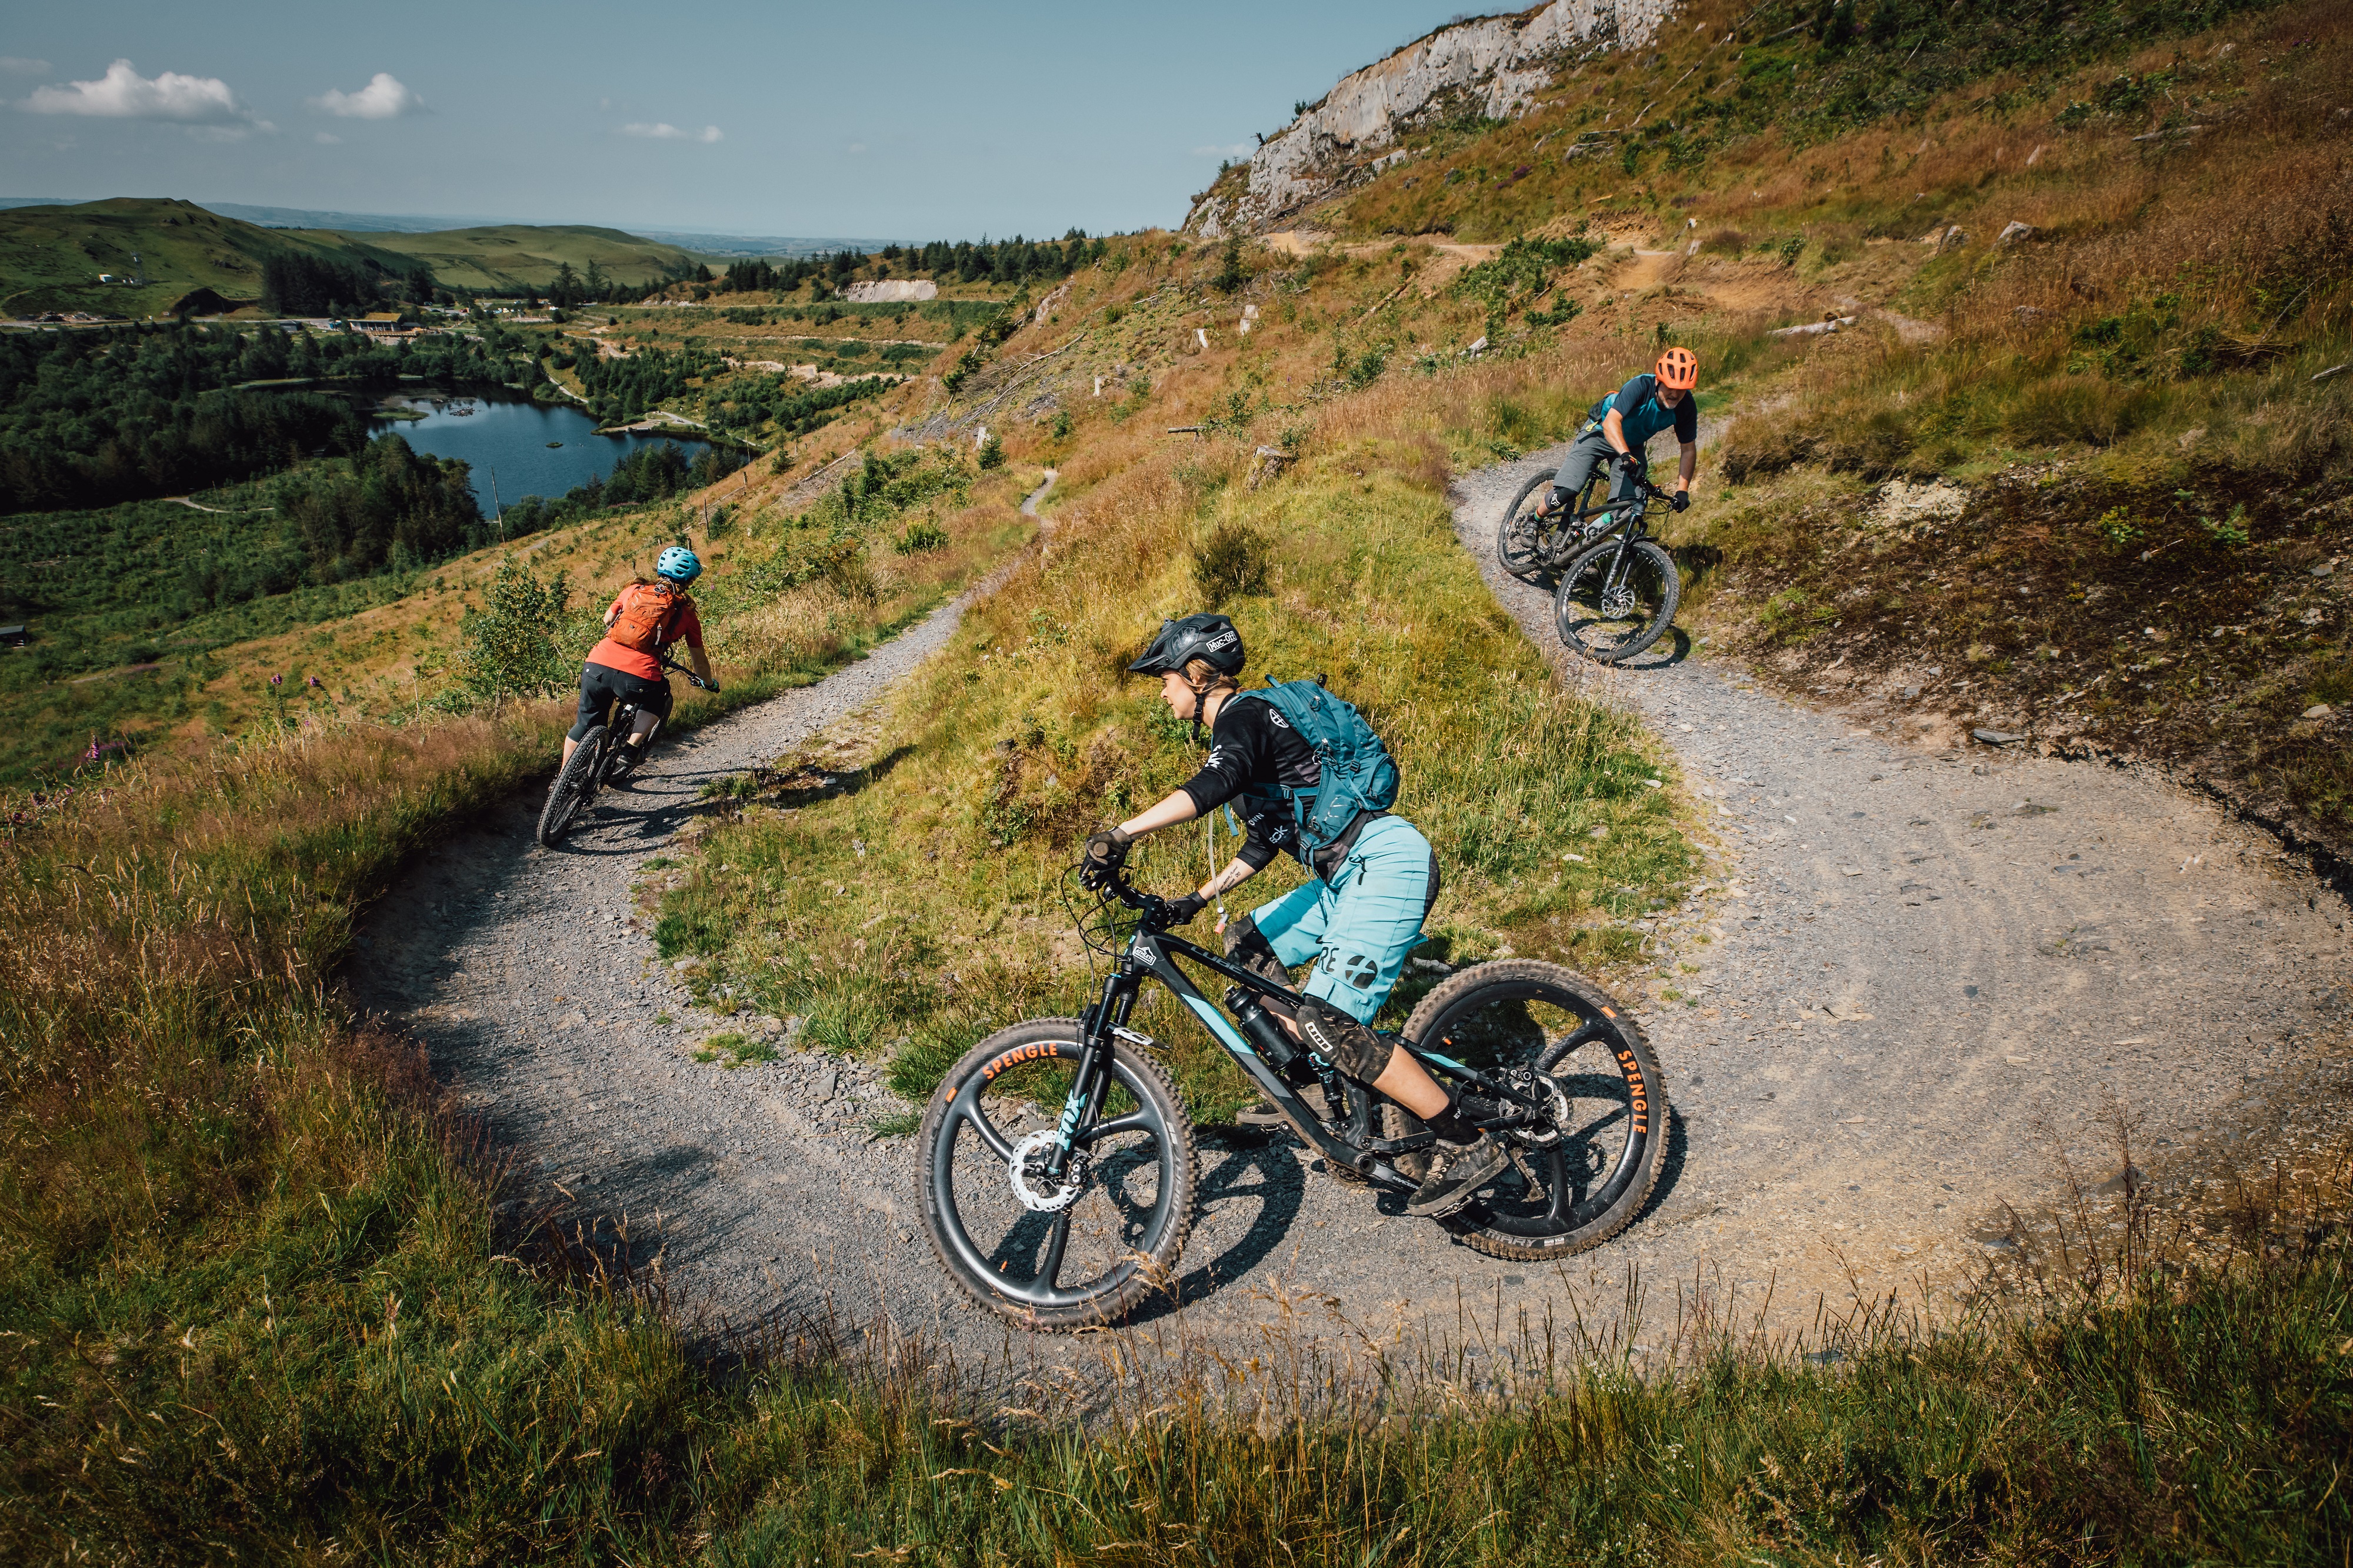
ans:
(919, 908)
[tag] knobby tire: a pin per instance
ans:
(1613, 1054)
(573, 786)
(1576, 602)
(962, 1172)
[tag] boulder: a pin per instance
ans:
(2016, 232)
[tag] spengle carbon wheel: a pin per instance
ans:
(1580, 1177)
(1056, 1254)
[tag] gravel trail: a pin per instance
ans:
(1923, 957)
(1934, 964)
(761, 1192)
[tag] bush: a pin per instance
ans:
(510, 644)
(992, 451)
(919, 536)
(1228, 562)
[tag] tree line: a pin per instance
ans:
(297, 283)
(1006, 261)
(95, 418)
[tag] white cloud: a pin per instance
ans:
(123, 94)
(324, 140)
(16, 66)
(383, 98)
(1239, 149)
(663, 131)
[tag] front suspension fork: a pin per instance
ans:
(1082, 1106)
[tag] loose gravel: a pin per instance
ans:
(1910, 983)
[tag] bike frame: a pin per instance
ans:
(1630, 523)
(1150, 955)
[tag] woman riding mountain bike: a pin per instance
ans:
(1302, 772)
(643, 620)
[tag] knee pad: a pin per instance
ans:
(1339, 1039)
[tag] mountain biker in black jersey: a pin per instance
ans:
(1374, 884)
(1620, 426)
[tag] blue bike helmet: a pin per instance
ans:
(678, 564)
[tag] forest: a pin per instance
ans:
(90, 419)
(1007, 261)
(296, 284)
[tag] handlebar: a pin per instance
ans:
(693, 679)
(1152, 906)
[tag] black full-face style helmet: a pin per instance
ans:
(1209, 637)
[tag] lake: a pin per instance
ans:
(508, 435)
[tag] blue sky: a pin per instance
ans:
(913, 120)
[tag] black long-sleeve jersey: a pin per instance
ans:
(1254, 754)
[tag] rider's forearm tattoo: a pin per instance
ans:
(1236, 873)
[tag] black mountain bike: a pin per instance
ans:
(600, 759)
(1059, 1162)
(1613, 597)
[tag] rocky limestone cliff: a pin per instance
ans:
(1492, 66)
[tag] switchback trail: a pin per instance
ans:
(537, 991)
(1926, 965)
(1928, 968)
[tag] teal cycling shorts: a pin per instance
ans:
(1358, 928)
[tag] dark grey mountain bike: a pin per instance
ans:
(1059, 1162)
(1612, 597)
(599, 760)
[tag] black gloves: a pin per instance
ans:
(1682, 499)
(1631, 461)
(1100, 857)
(1182, 911)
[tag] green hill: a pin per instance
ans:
(509, 256)
(51, 257)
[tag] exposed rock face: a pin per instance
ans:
(890, 291)
(1492, 66)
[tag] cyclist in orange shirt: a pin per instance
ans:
(644, 618)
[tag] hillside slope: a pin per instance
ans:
(507, 257)
(51, 257)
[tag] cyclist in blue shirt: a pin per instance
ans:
(1622, 423)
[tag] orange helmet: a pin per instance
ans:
(1678, 368)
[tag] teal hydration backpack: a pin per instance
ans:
(1356, 771)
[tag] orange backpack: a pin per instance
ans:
(645, 616)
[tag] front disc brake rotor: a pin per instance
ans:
(1029, 1163)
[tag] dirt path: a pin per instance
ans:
(760, 1191)
(1926, 955)
(1923, 958)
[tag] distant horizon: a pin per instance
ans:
(744, 120)
(747, 245)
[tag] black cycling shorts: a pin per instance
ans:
(601, 685)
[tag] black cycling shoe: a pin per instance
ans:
(1457, 1172)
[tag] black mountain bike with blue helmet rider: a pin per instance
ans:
(1520, 1107)
(623, 695)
